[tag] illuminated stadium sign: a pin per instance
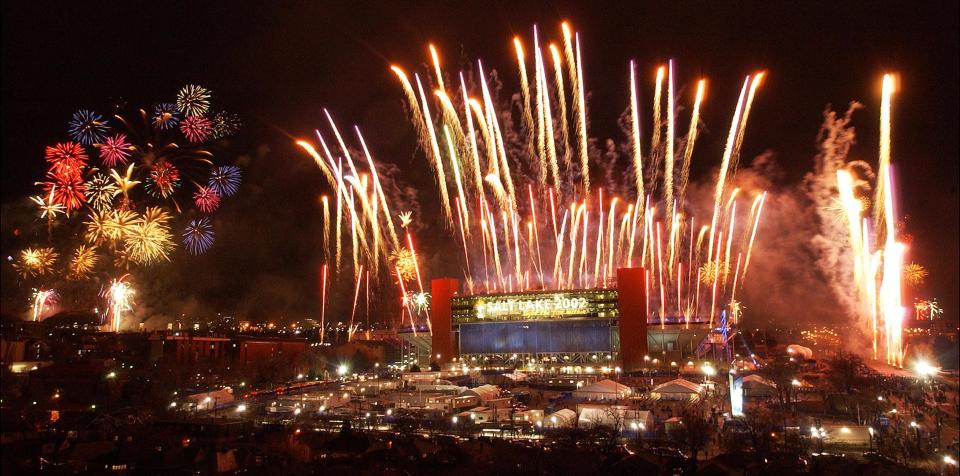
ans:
(535, 306)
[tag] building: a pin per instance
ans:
(253, 349)
(552, 329)
(187, 348)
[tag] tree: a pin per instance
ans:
(781, 374)
(696, 433)
(844, 372)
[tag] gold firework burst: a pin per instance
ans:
(82, 263)
(101, 191)
(915, 274)
(149, 239)
(404, 262)
(714, 270)
(35, 261)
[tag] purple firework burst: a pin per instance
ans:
(225, 179)
(87, 127)
(198, 236)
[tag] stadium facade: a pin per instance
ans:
(588, 327)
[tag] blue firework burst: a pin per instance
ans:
(87, 127)
(198, 236)
(225, 179)
(165, 115)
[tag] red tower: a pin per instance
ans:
(632, 300)
(441, 292)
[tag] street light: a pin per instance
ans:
(342, 370)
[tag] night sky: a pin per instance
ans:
(277, 66)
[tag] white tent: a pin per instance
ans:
(484, 392)
(677, 389)
(603, 390)
(561, 419)
(592, 415)
(800, 351)
(757, 386)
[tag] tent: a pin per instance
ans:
(561, 419)
(603, 390)
(800, 351)
(677, 389)
(484, 392)
(758, 387)
(593, 415)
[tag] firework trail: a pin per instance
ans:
(668, 162)
(635, 135)
(326, 227)
(323, 302)
(873, 254)
(43, 298)
(119, 298)
(525, 95)
(691, 140)
(887, 90)
(506, 242)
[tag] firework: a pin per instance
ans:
(87, 127)
(198, 236)
(117, 221)
(225, 179)
(163, 179)
(118, 224)
(165, 116)
(67, 160)
(149, 240)
(36, 261)
(101, 191)
(196, 128)
(125, 183)
(404, 262)
(193, 100)
(42, 298)
(48, 207)
(68, 191)
(119, 297)
(914, 274)
(421, 302)
(115, 151)
(505, 242)
(225, 124)
(82, 262)
(207, 199)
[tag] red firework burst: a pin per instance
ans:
(164, 178)
(196, 128)
(207, 199)
(115, 151)
(68, 191)
(66, 159)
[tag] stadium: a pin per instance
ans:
(567, 329)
